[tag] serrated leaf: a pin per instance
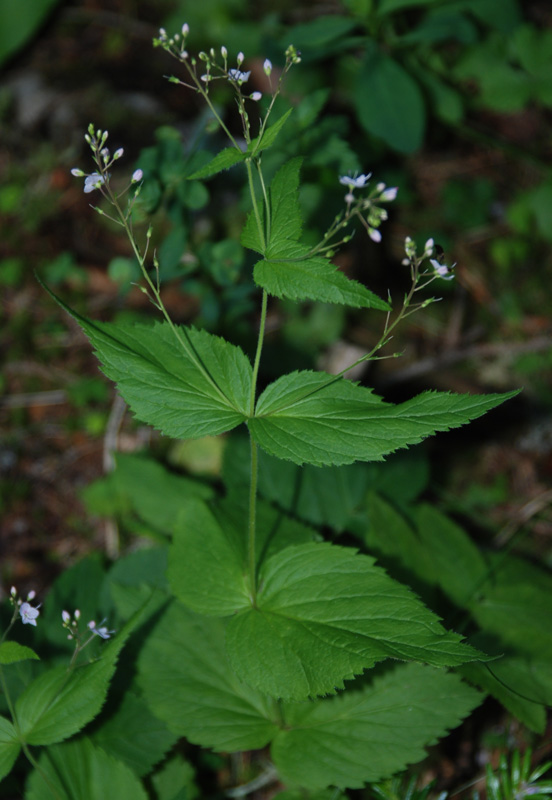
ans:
(365, 736)
(323, 614)
(289, 271)
(268, 137)
(186, 679)
(227, 158)
(12, 652)
(188, 388)
(80, 771)
(310, 417)
(215, 582)
(150, 738)
(9, 746)
(61, 702)
(285, 213)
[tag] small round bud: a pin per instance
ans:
(240, 58)
(185, 29)
(66, 616)
(267, 67)
(118, 153)
(78, 173)
(255, 96)
(137, 175)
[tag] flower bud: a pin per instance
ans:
(240, 58)
(267, 67)
(185, 29)
(255, 96)
(137, 175)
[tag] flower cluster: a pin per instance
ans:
(71, 624)
(438, 269)
(368, 208)
(104, 160)
(27, 612)
(215, 66)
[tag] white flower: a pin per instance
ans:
(93, 181)
(255, 96)
(441, 270)
(356, 182)
(28, 614)
(237, 76)
(267, 67)
(102, 632)
(137, 175)
(389, 194)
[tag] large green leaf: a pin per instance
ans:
(365, 736)
(20, 23)
(150, 738)
(191, 386)
(186, 678)
(268, 136)
(80, 771)
(322, 615)
(9, 746)
(289, 271)
(61, 701)
(215, 581)
(304, 417)
(389, 103)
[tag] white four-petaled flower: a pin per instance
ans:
(93, 181)
(28, 614)
(441, 270)
(237, 76)
(356, 182)
(102, 632)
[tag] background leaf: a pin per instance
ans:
(9, 746)
(365, 736)
(12, 652)
(81, 771)
(389, 103)
(227, 158)
(187, 681)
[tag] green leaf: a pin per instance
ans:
(215, 582)
(175, 780)
(362, 737)
(323, 614)
(80, 771)
(187, 681)
(285, 213)
(289, 271)
(19, 24)
(389, 103)
(193, 386)
(305, 417)
(60, 702)
(268, 137)
(12, 652)
(9, 747)
(224, 160)
(149, 740)
(390, 6)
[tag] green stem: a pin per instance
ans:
(252, 528)
(260, 340)
(254, 203)
(41, 772)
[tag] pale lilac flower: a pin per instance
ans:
(102, 632)
(441, 270)
(267, 67)
(28, 614)
(137, 175)
(357, 182)
(389, 194)
(255, 96)
(237, 76)
(93, 181)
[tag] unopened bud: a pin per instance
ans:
(267, 67)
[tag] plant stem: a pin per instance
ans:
(252, 527)
(260, 340)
